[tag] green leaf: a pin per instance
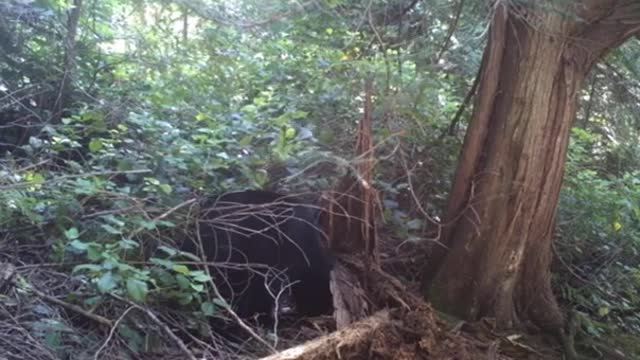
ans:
(162, 262)
(183, 282)
(95, 145)
(299, 114)
(165, 223)
(197, 287)
(92, 301)
(148, 225)
(152, 181)
(169, 251)
(246, 140)
(86, 267)
(135, 341)
(122, 267)
(128, 244)
(261, 177)
(77, 244)
(111, 230)
(185, 299)
(94, 252)
(165, 278)
(223, 155)
(137, 289)
(616, 226)
(189, 255)
(208, 308)
(166, 188)
(34, 178)
(221, 302)
(106, 282)
(200, 276)
(110, 263)
(290, 133)
(71, 233)
(112, 219)
(603, 311)
(181, 269)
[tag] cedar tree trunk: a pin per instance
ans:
(503, 202)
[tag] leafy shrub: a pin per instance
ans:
(599, 223)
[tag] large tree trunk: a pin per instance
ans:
(503, 202)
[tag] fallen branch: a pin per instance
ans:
(75, 308)
(343, 344)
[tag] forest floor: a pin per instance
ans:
(47, 314)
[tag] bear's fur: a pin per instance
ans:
(261, 243)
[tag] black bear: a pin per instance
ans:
(263, 243)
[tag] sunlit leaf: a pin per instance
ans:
(71, 234)
(617, 226)
(182, 269)
(95, 145)
(137, 289)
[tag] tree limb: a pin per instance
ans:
(608, 24)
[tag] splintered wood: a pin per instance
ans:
(343, 344)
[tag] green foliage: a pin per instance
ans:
(599, 220)
(253, 94)
(159, 115)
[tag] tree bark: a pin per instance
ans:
(503, 201)
(64, 95)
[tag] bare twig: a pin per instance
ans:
(164, 215)
(276, 308)
(75, 308)
(467, 99)
(452, 30)
(111, 332)
(225, 304)
(161, 324)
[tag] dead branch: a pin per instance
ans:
(113, 330)
(343, 344)
(75, 308)
(348, 297)
(161, 324)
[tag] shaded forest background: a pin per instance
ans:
(114, 113)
